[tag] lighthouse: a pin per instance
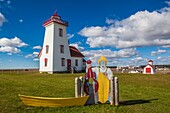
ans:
(56, 54)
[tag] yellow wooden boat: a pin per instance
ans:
(53, 102)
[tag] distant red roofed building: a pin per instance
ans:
(149, 68)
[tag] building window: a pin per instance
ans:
(62, 62)
(60, 32)
(61, 48)
(76, 62)
(45, 62)
(47, 49)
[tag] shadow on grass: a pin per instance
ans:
(133, 102)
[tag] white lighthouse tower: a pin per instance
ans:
(55, 51)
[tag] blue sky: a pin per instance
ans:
(126, 32)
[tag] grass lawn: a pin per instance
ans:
(138, 93)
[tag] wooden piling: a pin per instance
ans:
(116, 84)
(81, 86)
(112, 94)
(72, 70)
(76, 87)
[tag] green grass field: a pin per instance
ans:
(138, 93)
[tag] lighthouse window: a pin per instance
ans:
(61, 48)
(47, 48)
(45, 62)
(62, 62)
(60, 32)
(76, 62)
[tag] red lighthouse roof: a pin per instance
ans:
(55, 14)
(56, 19)
(150, 61)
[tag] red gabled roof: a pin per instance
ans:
(150, 61)
(74, 52)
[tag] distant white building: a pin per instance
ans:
(149, 69)
(56, 54)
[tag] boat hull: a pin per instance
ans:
(52, 102)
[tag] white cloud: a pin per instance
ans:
(9, 53)
(166, 46)
(162, 51)
(14, 42)
(21, 20)
(163, 60)
(138, 61)
(8, 2)
(11, 45)
(2, 19)
(33, 55)
(76, 45)
(168, 2)
(112, 56)
(123, 53)
(153, 53)
(110, 21)
(36, 59)
(9, 49)
(94, 31)
(144, 28)
(29, 56)
(70, 36)
(159, 57)
(37, 47)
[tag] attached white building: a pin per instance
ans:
(149, 69)
(56, 55)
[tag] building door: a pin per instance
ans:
(148, 70)
(68, 64)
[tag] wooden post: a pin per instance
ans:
(76, 87)
(112, 94)
(81, 86)
(95, 94)
(72, 70)
(116, 84)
